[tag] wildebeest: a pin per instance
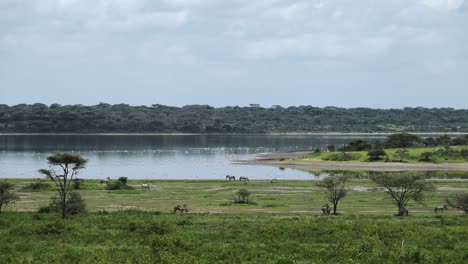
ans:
(326, 209)
(104, 181)
(403, 211)
(241, 178)
(145, 186)
(181, 208)
(229, 177)
(440, 208)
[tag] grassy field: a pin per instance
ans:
(283, 225)
(414, 155)
(217, 196)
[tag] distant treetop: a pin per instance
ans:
(157, 118)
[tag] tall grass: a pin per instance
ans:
(152, 237)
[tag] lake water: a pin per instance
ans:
(159, 156)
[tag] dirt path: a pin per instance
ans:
(275, 159)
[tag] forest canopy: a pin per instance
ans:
(123, 118)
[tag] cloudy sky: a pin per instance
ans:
(346, 53)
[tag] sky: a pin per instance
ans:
(344, 53)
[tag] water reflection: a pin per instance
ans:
(159, 156)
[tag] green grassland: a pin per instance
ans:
(441, 155)
(216, 196)
(283, 225)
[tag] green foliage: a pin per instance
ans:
(342, 156)
(120, 184)
(243, 196)
(401, 154)
(69, 164)
(36, 186)
(459, 201)
(358, 145)
(7, 194)
(402, 140)
(123, 118)
(142, 237)
(376, 154)
(75, 205)
(52, 207)
(402, 186)
(335, 185)
(427, 156)
(76, 184)
(123, 180)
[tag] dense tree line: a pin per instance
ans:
(102, 118)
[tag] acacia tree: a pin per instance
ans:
(62, 168)
(403, 187)
(335, 185)
(402, 154)
(459, 201)
(7, 196)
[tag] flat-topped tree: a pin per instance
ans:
(69, 165)
(402, 187)
(335, 184)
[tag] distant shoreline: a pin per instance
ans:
(277, 159)
(237, 134)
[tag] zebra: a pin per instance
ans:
(403, 211)
(181, 208)
(231, 177)
(326, 209)
(244, 178)
(104, 181)
(440, 208)
(145, 187)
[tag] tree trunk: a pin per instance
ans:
(335, 205)
(64, 200)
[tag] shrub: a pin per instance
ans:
(427, 156)
(123, 180)
(53, 207)
(75, 205)
(242, 196)
(76, 184)
(376, 154)
(119, 185)
(38, 185)
(464, 153)
(7, 195)
(342, 156)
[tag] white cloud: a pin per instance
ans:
(186, 3)
(443, 4)
(332, 46)
(139, 21)
(289, 12)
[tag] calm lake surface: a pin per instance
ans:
(159, 156)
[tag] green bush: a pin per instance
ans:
(342, 156)
(121, 184)
(36, 186)
(52, 207)
(75, 205)
(76, 184)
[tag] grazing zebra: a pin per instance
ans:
(440, 208)
(181, 208)
(244, 179)
(105, 181)
(231, 177)
(145, 187)
(403, 211)
(326, 209)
